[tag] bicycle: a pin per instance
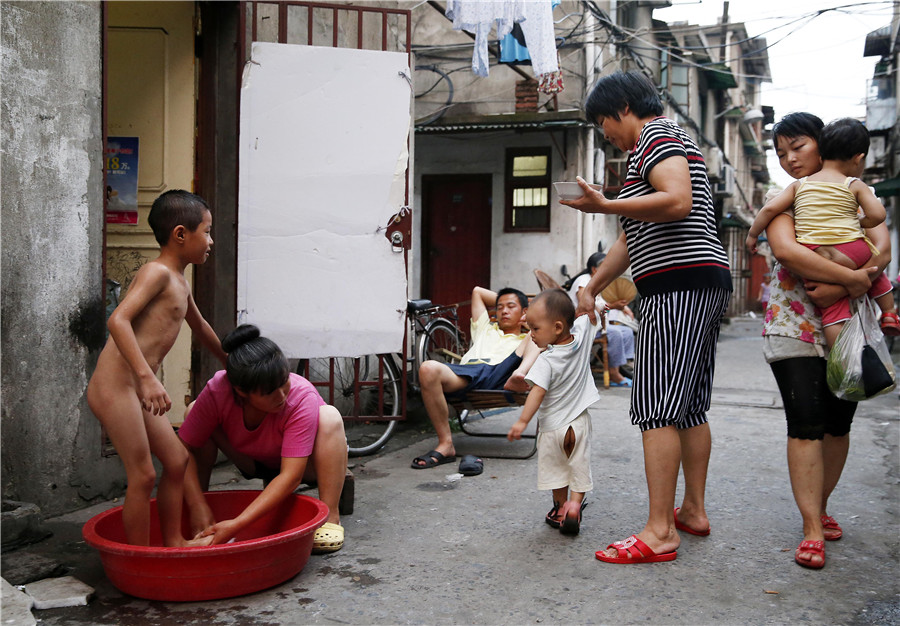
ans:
(367, 390)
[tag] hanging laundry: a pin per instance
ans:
(540, 36)
(535, 20)
(479, 17)
(512, 47)
(551, 82)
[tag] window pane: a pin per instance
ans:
(529, 166)
(531, 218)
(532, 196)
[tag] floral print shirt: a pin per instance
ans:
(790, 312)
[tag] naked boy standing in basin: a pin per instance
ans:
(124, 392)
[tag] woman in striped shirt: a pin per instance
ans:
(682, 273)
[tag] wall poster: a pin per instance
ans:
(121, 180)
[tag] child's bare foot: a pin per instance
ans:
(198, 542)
(516, 382)
(570, 524)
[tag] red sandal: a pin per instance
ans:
(814, 547)
(890, 324)
(633, 550)
(830, 524)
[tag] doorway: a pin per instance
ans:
(150, 101)
(456, 238)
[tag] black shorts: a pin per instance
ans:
(483, 376)
(812, 411)
(262, 471)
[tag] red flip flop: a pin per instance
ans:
(633, 550)
(829, 523)
(680, 526)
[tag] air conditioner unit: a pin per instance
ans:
(725, 186)
(714, 161)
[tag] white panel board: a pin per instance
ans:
(323, 155)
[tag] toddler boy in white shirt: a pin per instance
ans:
(562, 390)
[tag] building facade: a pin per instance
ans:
(484, 152)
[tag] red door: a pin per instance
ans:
(456, 242)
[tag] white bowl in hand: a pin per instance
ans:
(570, 190)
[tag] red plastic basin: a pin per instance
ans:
(268, 552)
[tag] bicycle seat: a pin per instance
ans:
(414, 306)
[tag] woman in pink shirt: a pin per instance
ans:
(269, 422)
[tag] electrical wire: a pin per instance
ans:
(627, 36)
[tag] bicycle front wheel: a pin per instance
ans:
(440, 341)
(367, 425)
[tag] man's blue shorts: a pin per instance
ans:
(484, 376)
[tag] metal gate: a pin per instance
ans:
(734, 238)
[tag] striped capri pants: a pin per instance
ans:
(676, 356)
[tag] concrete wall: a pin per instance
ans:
(52, 245)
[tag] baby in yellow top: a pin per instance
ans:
(827, 219)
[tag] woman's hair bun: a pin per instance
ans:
(239, 336)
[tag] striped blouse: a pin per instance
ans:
(684, 255)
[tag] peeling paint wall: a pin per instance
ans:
(53, 312)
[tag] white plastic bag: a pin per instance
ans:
(859, 365)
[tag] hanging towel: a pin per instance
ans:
(540, 36)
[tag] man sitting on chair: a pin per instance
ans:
(499, 358)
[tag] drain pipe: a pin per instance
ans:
(586, 220)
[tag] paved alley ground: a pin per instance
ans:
(425, 549)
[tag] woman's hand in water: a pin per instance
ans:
(221, 532)
(198, 542)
